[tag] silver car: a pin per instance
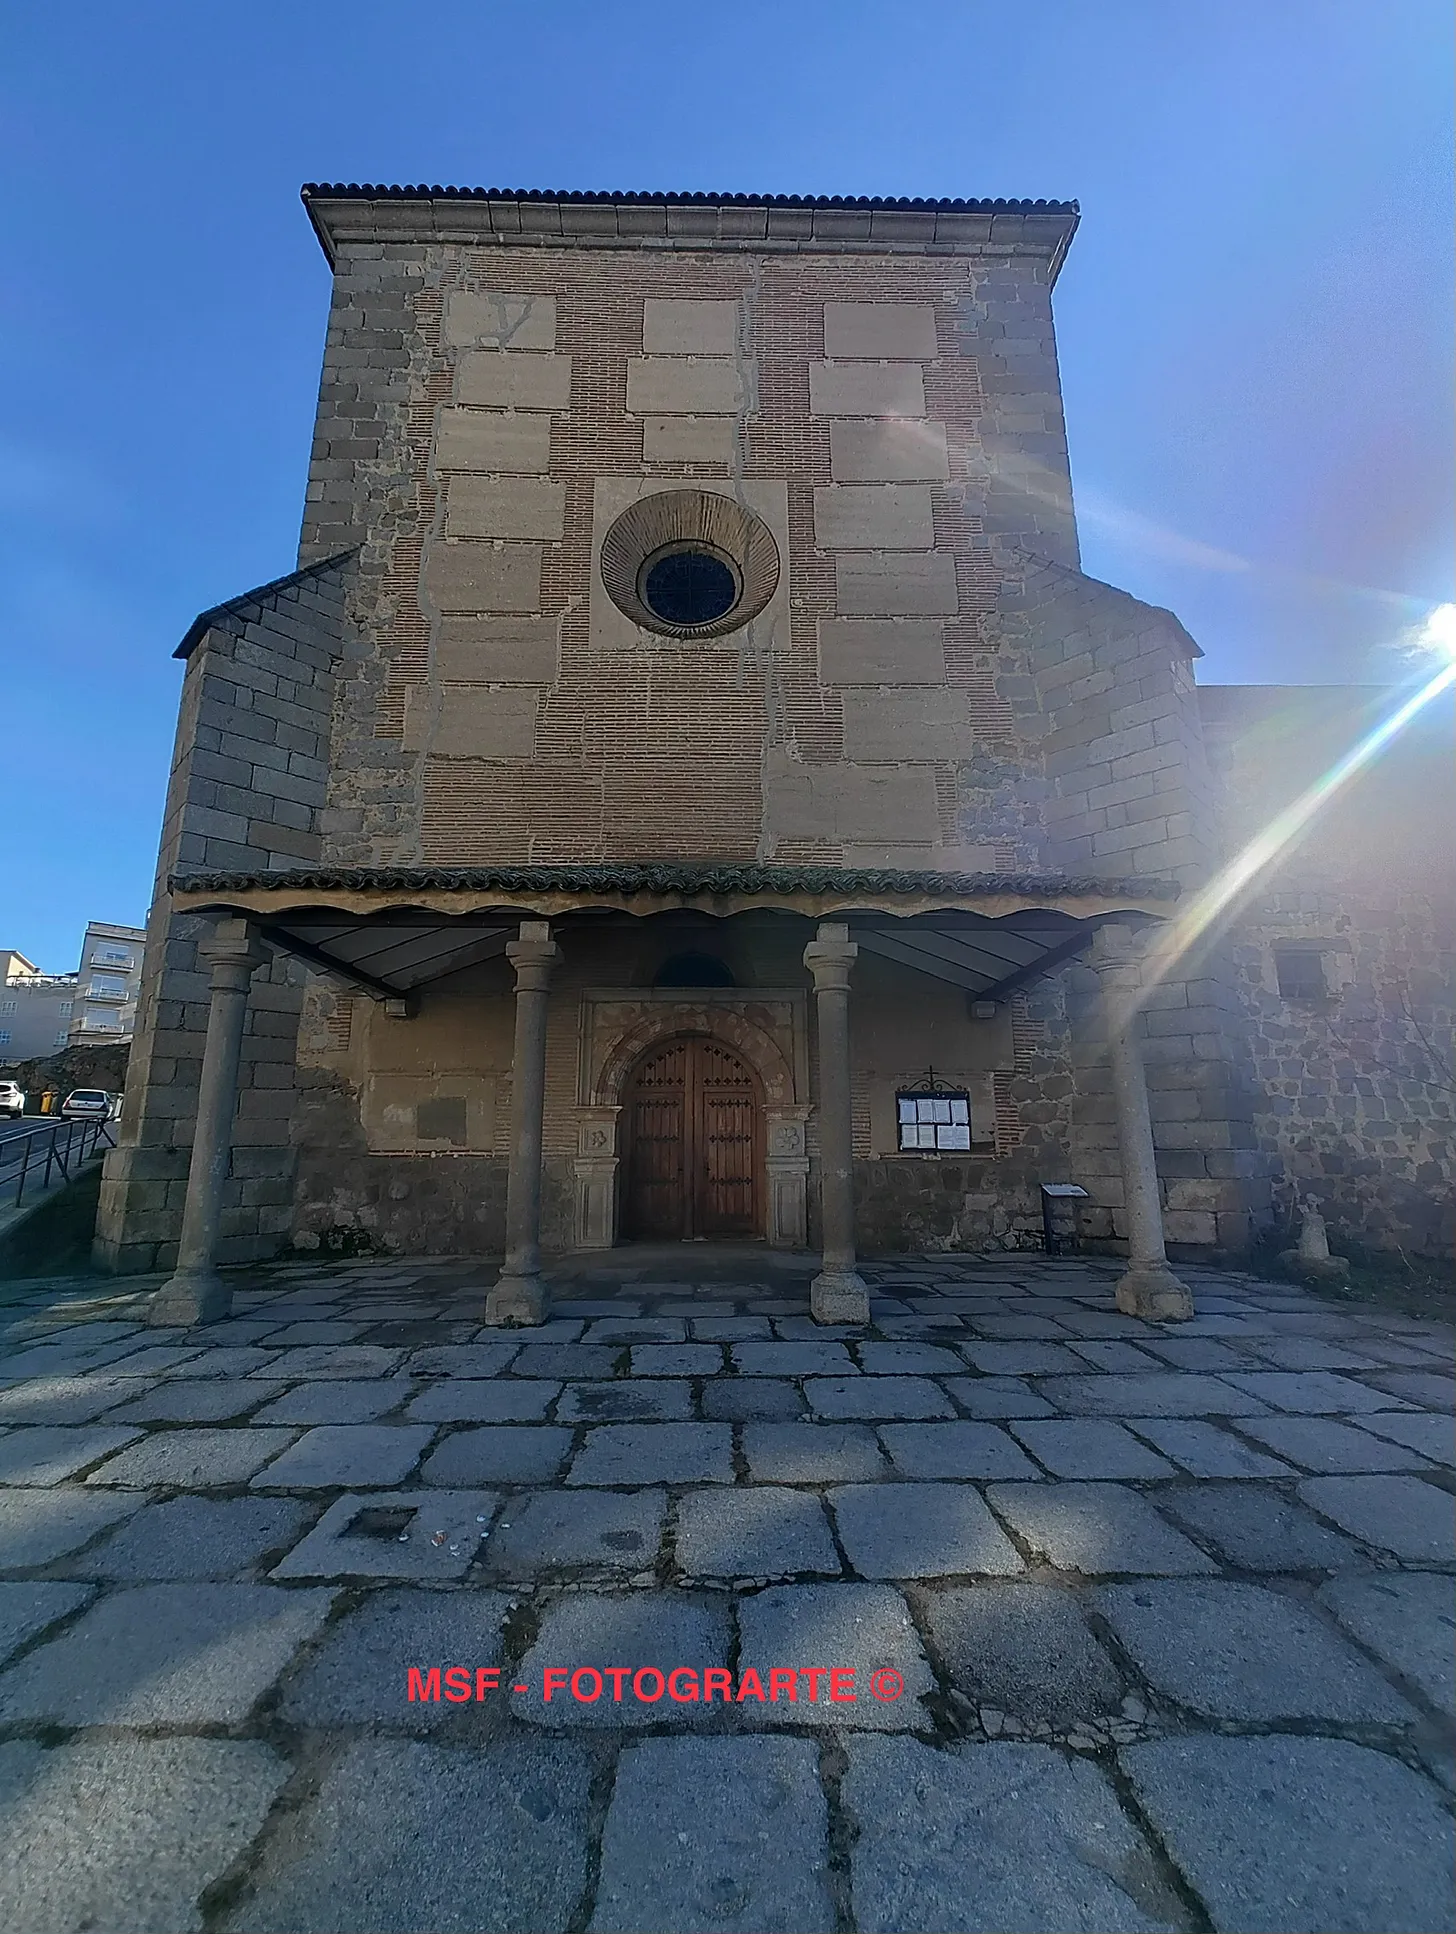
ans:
(87, 1104)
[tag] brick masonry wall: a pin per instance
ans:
(1355, 1090)
(247, 783)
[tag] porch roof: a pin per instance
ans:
(390, 931)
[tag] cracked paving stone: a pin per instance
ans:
(1320, 1444)
(498, 1454)
(686, 1832)
(194, 1538)
(1024, 1649)
(1088, 1447)
(27, 1608)
(116, 1835)
(1308, 1391)
(1204, 1450)
(626, 1401)
(1233, 1651)
(461, 1360)
(1258, 1529)
(578, 1531)
(497, 1838)
(920, 1531)
(864, 1627)
(330, 1455)
(1327, 1834)
(1421, 1387)
(1096, 1529)
(1409, 1621)
(507, 1402)
(659, 1630)
(957, 1450)
(193, 1458)
(655, 1454)
(876, 1397)
(41, 1525)
(43, 1454)
(359, 1675)
(1400, 1514)
(758, 1531)
(796, 1453)
(998, 1397)
(159, 1655)
(416, 1535)
(987, 1838)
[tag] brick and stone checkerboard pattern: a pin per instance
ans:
(1172, 1608)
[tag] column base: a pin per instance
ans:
(839, 1296)
(1152, 1291)
(191, 1296)
(518, 1302)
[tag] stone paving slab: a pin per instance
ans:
(511, 1401)
(1259, 1530)
(62, 1400)
(995, 1837)
(1421, 1387)
(39, 1526)
(793, 1360)
(1317, 1392)
(958, 1450)
(359, 1362)
(1088, 1447)
(125, 1834)
(1175, 1394)
(704, 1835)
(203, 1400)
(764, 1531)
(866, 1628)
(998, 1397)
(1433, 1437)
(163, 1655)
(920, 1531)
(1206, 1450)
(877, 1397)
(1403, 1515)
(655, 1454)
(461, 1360)
(556, 1531)
(332, 1455)
(358, 1676)
(194, 1538)
(798, 1453)
(46, 1454)
(26, 1609)
(1321, 1444)
(194, 1459)
(338, 1402)
(417, 1535)
(634, 1400)
(499, 1454)
(661, 1630)
(566, 1360)
(1096, 1529)
(1023, 1649)
(737, 1399)
(1329, 1835)
(1228, 1650)
(1407, 1620)
(506, 1838)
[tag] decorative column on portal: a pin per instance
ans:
(196, 1293)
(1148, 1288)
(520, 1297)
(838, 1294)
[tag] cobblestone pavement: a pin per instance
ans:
(1169, 1611)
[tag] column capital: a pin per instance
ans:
(830, 955)
(533, 955)
(232, 950)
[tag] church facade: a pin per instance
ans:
(690, 791)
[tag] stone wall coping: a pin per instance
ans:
(351, 213)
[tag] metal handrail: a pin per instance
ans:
(36, 1154)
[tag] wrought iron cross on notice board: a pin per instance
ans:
(931, 1115)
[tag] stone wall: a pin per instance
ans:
(1355, 1081)
(248, 780)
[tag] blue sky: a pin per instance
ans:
(1254, 321)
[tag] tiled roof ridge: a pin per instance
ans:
(379, 191)
(663, 876)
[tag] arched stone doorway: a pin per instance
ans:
(692, 1143)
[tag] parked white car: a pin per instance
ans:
(87, 1104)
(12, 1099)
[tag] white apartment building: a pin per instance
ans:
(42, 1013)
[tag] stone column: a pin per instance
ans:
(520, 1296)
(196, 1293)
(838, 1293)
(1148, 1288)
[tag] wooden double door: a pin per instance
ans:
(693, 1126)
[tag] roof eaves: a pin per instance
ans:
(209, 620)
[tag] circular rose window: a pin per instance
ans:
(689, 564)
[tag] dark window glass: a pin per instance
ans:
(1301, 975)
(694, 970)
(689, 588)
